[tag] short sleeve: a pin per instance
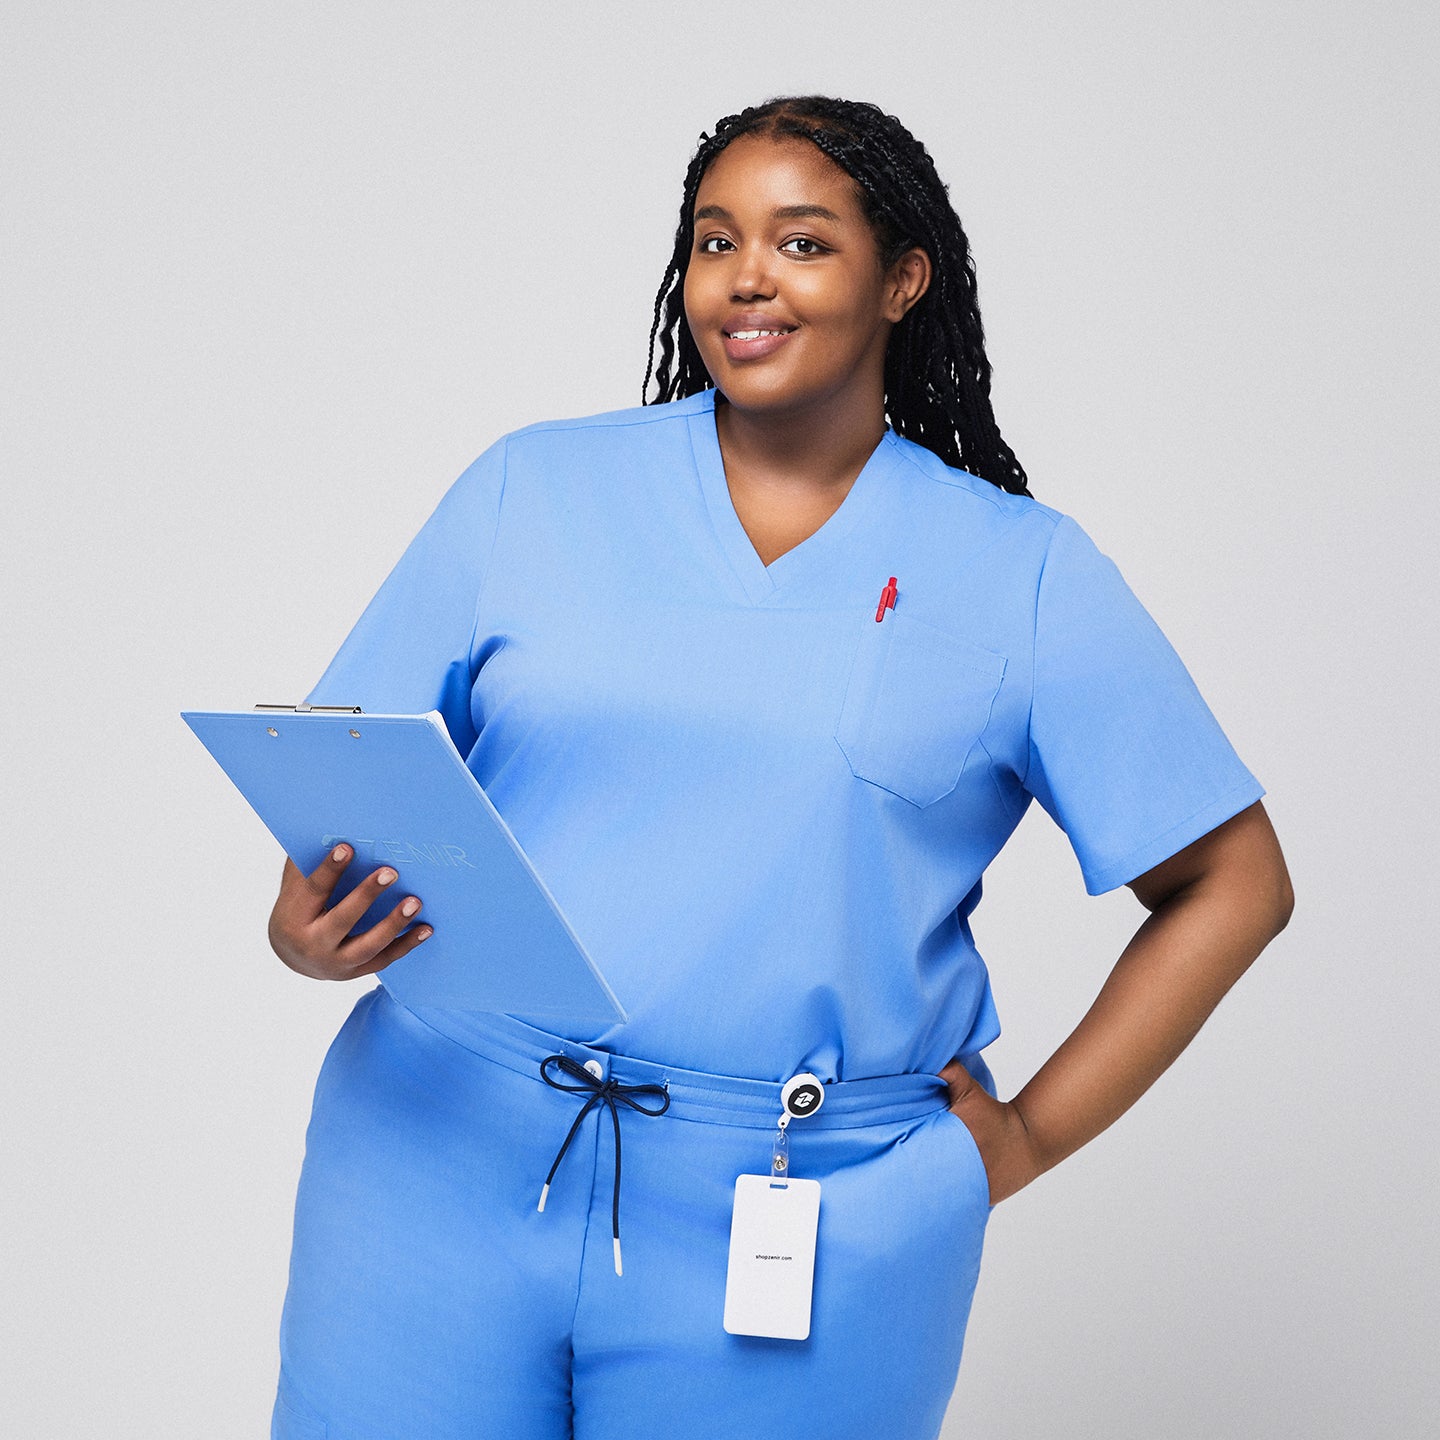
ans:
(1125, 755)
(411, 649)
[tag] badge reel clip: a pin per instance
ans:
(801, 1095)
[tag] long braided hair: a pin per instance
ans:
(937, 379)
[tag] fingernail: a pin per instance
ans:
(339, 853)
(385, 876)
(425, 933)
(410, 906)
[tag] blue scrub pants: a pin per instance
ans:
(429, 1299)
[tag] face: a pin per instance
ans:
(781, 244)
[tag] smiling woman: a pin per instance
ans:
(847, 184)
(767, 810)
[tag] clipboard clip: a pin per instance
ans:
(304, 709)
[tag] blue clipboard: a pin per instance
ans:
(396, 789)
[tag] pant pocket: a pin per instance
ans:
(289, 1422)
(957, 1132)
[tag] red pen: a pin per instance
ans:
(887, 600)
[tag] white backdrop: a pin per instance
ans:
(274, 273)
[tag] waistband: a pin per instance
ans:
(695, 1095)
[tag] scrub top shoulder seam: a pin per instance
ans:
(653, 414)
(1034, 646)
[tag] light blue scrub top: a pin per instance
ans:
(765, 814)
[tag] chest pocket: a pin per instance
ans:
(916, 702)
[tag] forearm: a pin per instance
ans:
(1214, 906)
(1190, 950)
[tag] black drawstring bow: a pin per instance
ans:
(608, 1092)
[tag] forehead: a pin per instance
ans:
(757, 174)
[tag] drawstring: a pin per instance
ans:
(608, 1092)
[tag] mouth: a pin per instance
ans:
(756, 334)
(755, 343)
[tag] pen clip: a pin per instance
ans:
(887, 600)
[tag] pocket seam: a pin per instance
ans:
(301, 1425)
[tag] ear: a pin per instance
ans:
(906, 281)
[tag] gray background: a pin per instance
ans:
(273, 274)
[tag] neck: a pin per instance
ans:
(821, 446)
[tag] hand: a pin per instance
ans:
(999, 1132)
(312, 939)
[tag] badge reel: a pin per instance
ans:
(772, 1234)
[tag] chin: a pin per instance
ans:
(749, 393)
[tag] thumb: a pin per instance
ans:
(958, 1078)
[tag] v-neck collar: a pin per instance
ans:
(761, 581)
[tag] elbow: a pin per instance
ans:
(1262, 894)
(1269, 877)
(1284, 900)
(1272, 896)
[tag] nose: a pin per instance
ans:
(754, 274)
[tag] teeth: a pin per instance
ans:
(753, 334)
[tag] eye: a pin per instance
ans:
(815, 247)
(704, 246)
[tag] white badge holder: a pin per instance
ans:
(773, 1229)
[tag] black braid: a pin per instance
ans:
(937, 378)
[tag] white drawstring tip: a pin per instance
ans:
(617, 1255)
(544, 1191)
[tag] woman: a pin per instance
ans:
(761, 684)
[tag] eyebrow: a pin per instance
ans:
(780, 212)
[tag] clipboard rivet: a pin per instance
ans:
(271, 730)
(355, 733)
